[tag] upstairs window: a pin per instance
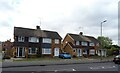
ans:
(33, 39)
(91, 44)
(21, 39)
(77, 43)
(46, 40)
(84, 43)
(56, 41)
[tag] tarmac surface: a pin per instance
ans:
(9, 63)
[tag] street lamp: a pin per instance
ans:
(101, 36)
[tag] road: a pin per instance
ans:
(108, 66)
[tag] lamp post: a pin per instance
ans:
(101, 36)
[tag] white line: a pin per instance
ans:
(65, 70)
(102, 67)
(73, 69)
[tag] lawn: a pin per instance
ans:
(37, 59)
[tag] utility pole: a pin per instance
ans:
(101, 36)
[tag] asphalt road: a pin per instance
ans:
(110, 66)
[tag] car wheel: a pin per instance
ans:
(115, 62)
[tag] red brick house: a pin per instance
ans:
(80, 45)
(7, 48)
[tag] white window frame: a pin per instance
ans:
(56, 41)
(21, 39)
(31, 51)
(46, 40)
(23, 51)
(91, 44)
(77, 43)
(46, 50)
(84, 43)
(92, 51)
(33, 39)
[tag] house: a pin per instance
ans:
(80, 45)
(36, 42)
(7, 48)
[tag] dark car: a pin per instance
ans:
(65, 56)
(116, 60)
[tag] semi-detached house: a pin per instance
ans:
(80, 45)
(36, 42)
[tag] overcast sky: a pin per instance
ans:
(63, 16)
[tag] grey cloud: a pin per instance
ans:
(4, 24)
(6, 5)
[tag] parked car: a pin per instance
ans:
(65, 56)
(116, 60)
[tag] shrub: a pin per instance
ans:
(6, 57)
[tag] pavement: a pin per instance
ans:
(9, 63)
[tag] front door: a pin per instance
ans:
(56, 52)
(20, 52)
(79, 52)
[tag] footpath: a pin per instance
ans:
(10, 63)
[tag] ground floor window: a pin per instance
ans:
(92, 52)
(84, 51)
(32, 50)
(46, 50)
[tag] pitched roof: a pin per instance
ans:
(20, 31)
(78, 37)
(93, 39)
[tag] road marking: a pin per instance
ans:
(102, 67)
(73, 69)
(65, 70)
(56, 70)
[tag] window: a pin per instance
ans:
(21, 38)
(92, 52)
(46, 50)
(33, 39)
(92, 44)
(74, 50)
(32, 50)
(77, 43)
(84, 44)
(56, 41)
(46, 40)
(84, 51)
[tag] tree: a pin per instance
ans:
(105, 41)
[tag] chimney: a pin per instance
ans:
(37, 27)
(81, 33)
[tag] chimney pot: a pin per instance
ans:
(81, 33)
(37, 27)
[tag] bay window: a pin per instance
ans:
(46, 50)
(32, 50)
